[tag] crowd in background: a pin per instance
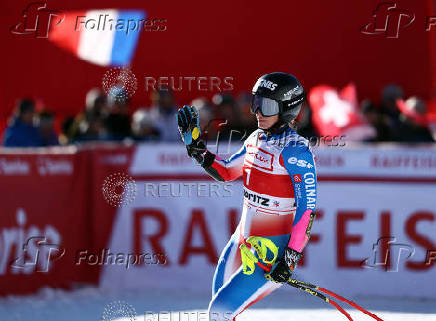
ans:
(108, 117)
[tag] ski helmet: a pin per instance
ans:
(278, 93)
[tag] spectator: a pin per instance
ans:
(389, 96)
(413, 121)
(229, 124)
(117, 120)
(21, 132)
(87, 125)
(46, 129)
(66, 128)
(142, 126)
(304, 123)
(206, 118)
(379, 121)
(95, 102)
(163, 113)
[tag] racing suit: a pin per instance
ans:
(279, 180)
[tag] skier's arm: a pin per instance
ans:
(224, 170)
(299, 162)
(221, 170)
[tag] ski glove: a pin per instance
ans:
(282, 270)
(189, 124)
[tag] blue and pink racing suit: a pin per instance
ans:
(279, 203)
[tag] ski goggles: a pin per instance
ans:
(266, 106)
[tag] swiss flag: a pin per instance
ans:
(337, 113)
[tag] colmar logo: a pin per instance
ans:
(309, 186)
(388, 20)
(297, 178)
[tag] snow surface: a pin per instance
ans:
(88, 304)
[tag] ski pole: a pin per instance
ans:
(336, 296)
(311, 289)
(261, 246)
(319, 295)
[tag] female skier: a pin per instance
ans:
(279, 179)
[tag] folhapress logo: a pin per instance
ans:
(388, 20)
(390, 258)
(37, 19)
(26, 249)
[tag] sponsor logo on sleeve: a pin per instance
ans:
(310, 188)
(299, 162)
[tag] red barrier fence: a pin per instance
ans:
(57, 229)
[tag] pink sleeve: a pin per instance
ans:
(301, 232)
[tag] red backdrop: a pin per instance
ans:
(319, 41)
